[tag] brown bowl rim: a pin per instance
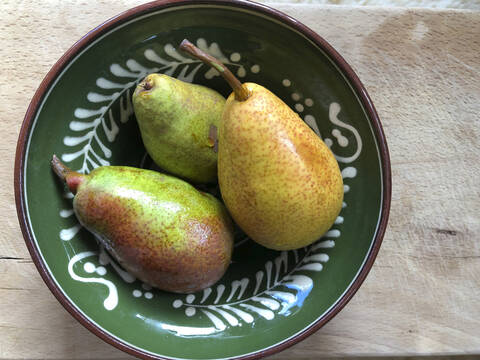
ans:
(163, 4)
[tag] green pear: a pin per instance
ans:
(280, 182)
(178, 122)
(159, 228)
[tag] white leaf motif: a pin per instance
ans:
(231, 320)
(242, 314)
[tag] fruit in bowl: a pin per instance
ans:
(178, 239)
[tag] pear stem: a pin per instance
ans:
(241, 92)
(72, 178)
(60, 168)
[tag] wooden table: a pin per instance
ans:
(422, 70)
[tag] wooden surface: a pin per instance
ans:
(422, 70)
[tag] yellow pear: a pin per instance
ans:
(280, 182)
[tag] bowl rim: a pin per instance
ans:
(269, 12)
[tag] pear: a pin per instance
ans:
(178, 122)
(159, 228)
(280, 182)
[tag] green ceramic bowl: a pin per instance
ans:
(82, 112)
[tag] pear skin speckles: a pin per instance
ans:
(278, 179)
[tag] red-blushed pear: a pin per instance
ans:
(159, 228)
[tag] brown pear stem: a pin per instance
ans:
(72, 178)
(241, 92)
(60, 168)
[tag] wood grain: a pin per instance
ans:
(422, 70)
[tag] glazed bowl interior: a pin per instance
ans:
(267, 300)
